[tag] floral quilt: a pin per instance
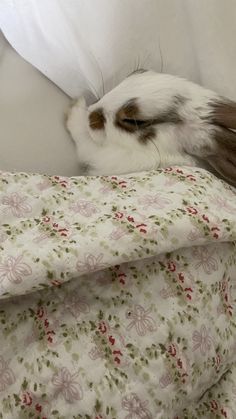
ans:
(117, 296)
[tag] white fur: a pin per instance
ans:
(114, 151)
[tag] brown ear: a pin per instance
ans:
(223, 157)
(223, 113)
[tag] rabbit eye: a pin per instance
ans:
(135, 122)
(128, 117)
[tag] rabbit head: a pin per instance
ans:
(153, 120)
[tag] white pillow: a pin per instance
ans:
(81, 43)
(32, 133)
(90, 46)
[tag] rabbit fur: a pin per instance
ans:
(153, 120)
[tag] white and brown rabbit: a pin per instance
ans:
(154, 120)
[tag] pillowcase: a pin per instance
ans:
(32, 133)
(88, 47)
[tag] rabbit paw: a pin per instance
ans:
(76, 117)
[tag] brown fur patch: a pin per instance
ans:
(129, 117)
(224, 113)
(170, 116)
(128, 112)
(223, 157)
(85, 168)
(226, 142)
(97, 119)
(147, 134)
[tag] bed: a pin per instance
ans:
(117, 293)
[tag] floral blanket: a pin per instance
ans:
(118, 296)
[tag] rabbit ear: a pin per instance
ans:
(223, 113)
(220, 152)
(223, 157)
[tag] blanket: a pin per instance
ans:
(118, 296)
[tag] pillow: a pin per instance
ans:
(89, 47)
(32, 133)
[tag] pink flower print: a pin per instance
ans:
(222, 203)
(181, 361)
(191, 178)
(76, 305)
(168, 293)
(119, 215)
(140, 320)
(106, 189)
(214, 405)
(194, 235)
(91, 263)
(62, 181)
(202, 340)
(165, 380)
(62, 228)
(215, 231)
(66, 384)
(136, 408)
(171, 266)
(103, 327)
(225, 289)
(96, 353)
(156, 201)
(38, 407)
(85, 208)
(41, 238)
(16, 204)
(7, 377)
(205, 218)
(205, 260)
(117, 234)
(192, 210)
(14, 269)
(116, 181)
(116, 342)
(217, 361)
(27, 398)
(44, 184)
(41, 312)
(172, 349)
(171, 181)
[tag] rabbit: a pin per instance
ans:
(152, 121)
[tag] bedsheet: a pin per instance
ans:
(118, 296)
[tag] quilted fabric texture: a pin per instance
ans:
(118, 296)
